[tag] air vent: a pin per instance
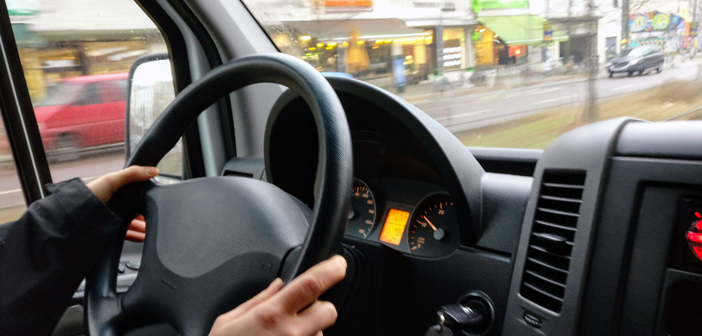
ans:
(551, 240)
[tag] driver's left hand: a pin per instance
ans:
(106, 186)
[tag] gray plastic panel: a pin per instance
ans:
(504, 201)
(674, 139)
(249, 166)
(588, 149)
(632, 243)
(506, 154)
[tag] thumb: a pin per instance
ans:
(132, 174)
(107, 185)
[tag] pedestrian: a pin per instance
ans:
(47, 253)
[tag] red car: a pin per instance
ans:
(81, 112)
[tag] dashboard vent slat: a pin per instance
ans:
(554, 198)
(556, 212)
(556, 226)
(561, 185)
(552, 238)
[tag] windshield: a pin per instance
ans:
(624, 53)
(632, 52)
(63, 93)
(499, 73)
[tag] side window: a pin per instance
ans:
(113, 91)
(89, 96)
(12, 203)
(65, 42)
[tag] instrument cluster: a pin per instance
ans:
(427, 228)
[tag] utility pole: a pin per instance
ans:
(625, 23)
(566, 52)
(694, 12)
(590, 113)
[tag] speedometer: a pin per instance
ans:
(433, 228)
(362, 215)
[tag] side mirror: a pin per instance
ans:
(149, 91)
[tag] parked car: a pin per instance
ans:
(82, 112)
(637, 59)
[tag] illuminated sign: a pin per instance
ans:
(394, 226)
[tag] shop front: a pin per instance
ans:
(513, 39)
(366, 49)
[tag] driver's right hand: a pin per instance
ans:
(292, 310)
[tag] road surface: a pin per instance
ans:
(478, 110)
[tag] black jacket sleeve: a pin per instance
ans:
(47, 252)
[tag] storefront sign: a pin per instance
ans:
(348, 3)
(398, 72)
(548, 32)
(424, 4)
(653, 21)
(693, 28)
(479, 5)
(347, 6)
(661, 21)
(638, 23)
(22, 7)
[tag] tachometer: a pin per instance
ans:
(433, 228)
(362, 215)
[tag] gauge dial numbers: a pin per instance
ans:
(362, 215)
(433, 230)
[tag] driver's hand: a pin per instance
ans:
(137, 230)
(293, 310)
(106, 186)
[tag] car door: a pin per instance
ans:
(69, 40)
(113, 94)
(84, 119)
(650, 61)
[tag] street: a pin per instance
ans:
(472, 111)
(459, 113)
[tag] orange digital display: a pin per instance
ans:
(394, 226)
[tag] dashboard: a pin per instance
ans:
(559, 250)
(589, 237)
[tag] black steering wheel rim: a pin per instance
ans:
(104, 312)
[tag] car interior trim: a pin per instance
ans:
(193, 162)
(208, 48)
(243, 36)
(588, 150)
(19, 119)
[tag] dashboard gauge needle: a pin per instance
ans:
(430, 223)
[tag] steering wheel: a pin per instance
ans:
(213, 243)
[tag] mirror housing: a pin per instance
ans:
(150, 89)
